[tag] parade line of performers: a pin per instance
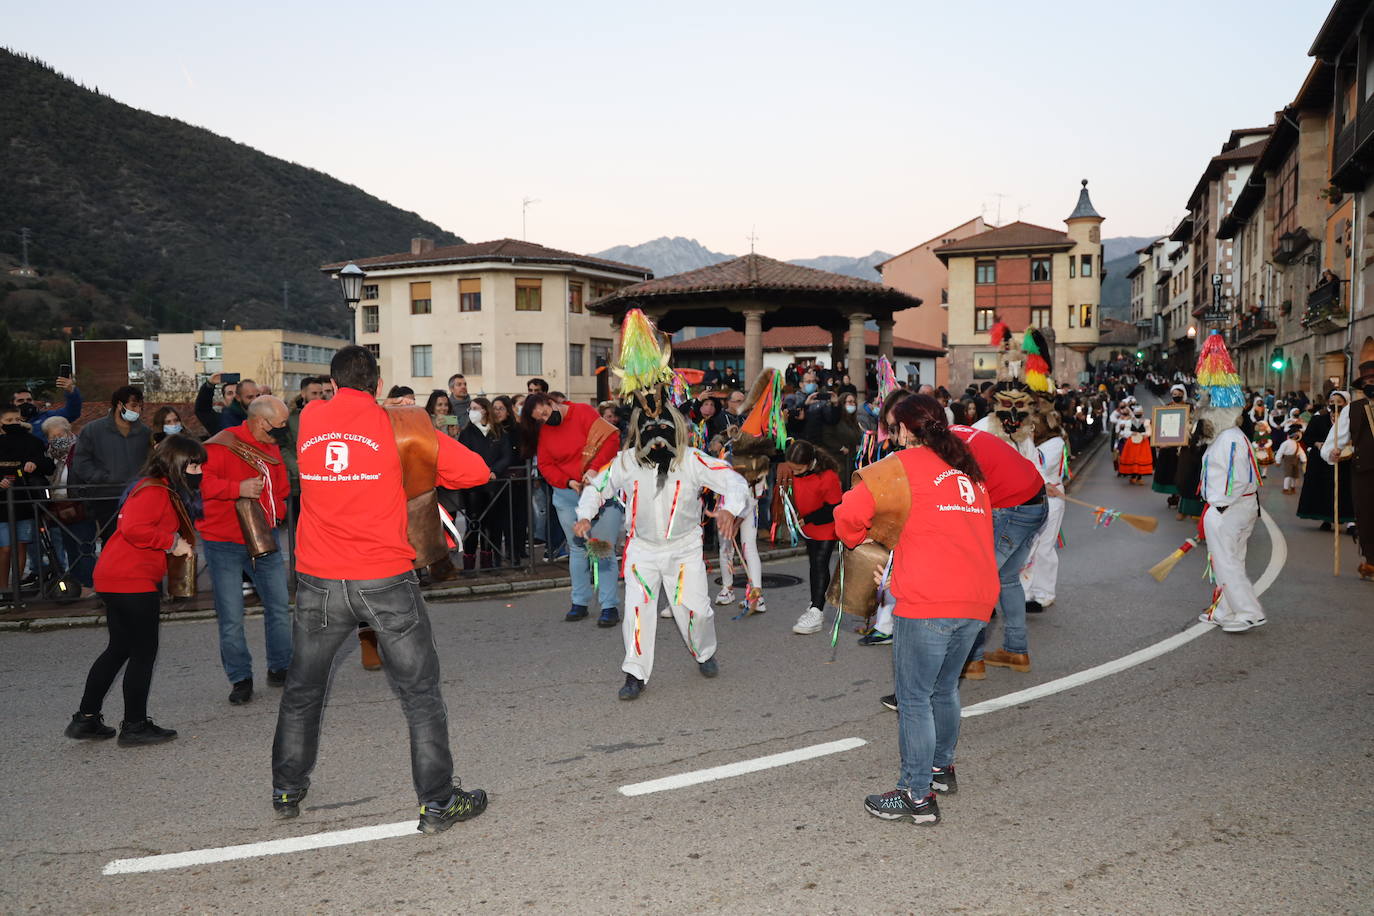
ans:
(991, 496)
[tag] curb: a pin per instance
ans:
(446, 594)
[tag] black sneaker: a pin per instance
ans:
(942, 780)
(276, 678)
(576, 612)
(709, 668)
(875, 639)
(890, 701)
(609, 617)
(464, 806)
(287, 804)
(632, 689)
(898, 806)
(1033, 607)
(135, 734)
(242, 692)
(88, 728)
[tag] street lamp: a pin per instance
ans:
(1192, 331)
(351, 282)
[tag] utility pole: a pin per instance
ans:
(524, 208)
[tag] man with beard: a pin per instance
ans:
(660, 479)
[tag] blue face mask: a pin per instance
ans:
(171, 429)
(809, 388)
(129, 415)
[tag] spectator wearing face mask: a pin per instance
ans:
(488, 440)
(109, 453)
(24, 468)
(29, 412)
(166, 422)
(841, 434)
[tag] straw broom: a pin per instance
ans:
(1144, 523)
(1165, 566)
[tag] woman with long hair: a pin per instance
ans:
(842, 433)
(166, 422)
(513, 510)
(943, 575)
(440, 410)
(485, 438)
(155, 520)
(815, 486)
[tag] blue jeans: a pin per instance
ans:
(607, 528)
(1013, 531)
(328, 612)
(228, 564)
(927, 657)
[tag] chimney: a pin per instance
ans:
(420, 245)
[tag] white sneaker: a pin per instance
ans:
(1236, 626)
(809, 622)
(666, 613)
(760, 607)
(1047, 603)
(726, 596)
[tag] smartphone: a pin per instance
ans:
(450, 420)
(229, 378)
(64, 371)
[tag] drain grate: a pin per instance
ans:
(770, 580)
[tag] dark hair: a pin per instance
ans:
(538, 383)
(529, 426)
(799, 451)
(355, 367)
(160, 416)
(309, 380)
(557, 397)
(492, 431)
(401, 391)
(167, 462)
(454, 377)
(923, 416)
(509, 424)
(434, 396)
(226, 386)
(894, 397)
(123, 393)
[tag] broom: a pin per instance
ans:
(1144, 523)
(1165, 566)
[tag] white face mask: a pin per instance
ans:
(129, 415)
(851, 408)
(475, 416)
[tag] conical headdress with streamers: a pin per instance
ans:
(1217, 375)
(1038, 369)
(643, 362)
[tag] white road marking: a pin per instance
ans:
(1278, 556)
(266, 848)
(741, 767)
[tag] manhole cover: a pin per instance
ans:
(770, 580)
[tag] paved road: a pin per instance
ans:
(1230, 775)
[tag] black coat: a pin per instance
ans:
(18, 449)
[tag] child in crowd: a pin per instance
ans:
(815, 486)
(1292, 459)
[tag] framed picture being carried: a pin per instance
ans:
(1171, 425)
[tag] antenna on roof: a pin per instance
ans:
(999, 206)
(1020, 208)
(524, 207)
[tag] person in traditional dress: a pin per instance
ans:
(1165, 478)
(1230, 487)
(1291, 459)
(1136, 458)
(1264, 449)
(660, 478)
(1040, 575)
(1352, 445)
(1323, 498)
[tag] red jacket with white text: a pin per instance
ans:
(219, 488)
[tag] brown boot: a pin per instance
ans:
(975, 670)
(372, 660)
(1001, 658)
(1366, 571)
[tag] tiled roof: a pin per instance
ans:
(498, 249)
(808, 338)
(1010, 236)
(1084, 210)
(754, 272)
(1247, 153)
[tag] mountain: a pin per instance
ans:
(666, 256)
(167, 226)
(1116, 288)
(865, 268)
(1124, 245)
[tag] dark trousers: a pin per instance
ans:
(327, 614)
(819, 556)
(132, 620)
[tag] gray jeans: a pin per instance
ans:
(327, 615)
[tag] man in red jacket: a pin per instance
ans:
(355, 564)
(244, 462)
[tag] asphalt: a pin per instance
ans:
(1230, 775)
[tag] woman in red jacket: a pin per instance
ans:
(815, 494)
(155, 520)
(944, 578)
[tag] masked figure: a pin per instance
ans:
(659, 478)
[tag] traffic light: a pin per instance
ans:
(1277, 362)
(1139, 354)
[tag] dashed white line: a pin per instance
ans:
(741, 767)
(265, 848)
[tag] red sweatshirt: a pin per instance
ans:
(353, 501)
(560, 447)
(1011, 478)
(219, 488)
(944, 564)
(134, 558)
(809, 493)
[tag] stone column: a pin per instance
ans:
(753, 346)
(885, 345)
(836, 347)
(858, 372)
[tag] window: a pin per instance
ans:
(209, 351)
(1085, 267)
(983, 320)
(369, 290)
(1073, 267)
(421, 361)
(529, 359)
(1073, 316)
(470, 358)
(1040, 316)
(602, 289)
(372, 321)
(985, 365)
(528, 295)
(985, 272)
(470, 295)
(575, 359)
(375, 350)
(601, 351)
(1040, 270)
(419, 299)
(575, 297)
(1085, 315)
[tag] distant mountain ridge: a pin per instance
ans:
(666, 256)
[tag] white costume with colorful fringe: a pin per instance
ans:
(663, 552)
(1230, 487)
(1040, 575)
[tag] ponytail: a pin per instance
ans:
(924, 418)
(799, 451)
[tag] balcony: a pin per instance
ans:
(1257, 324)
(1325, 313)
(1352, 155)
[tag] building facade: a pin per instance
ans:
(498, 312)
(1025, 276)
(920, 273)
(275, 357)
(1150, 294)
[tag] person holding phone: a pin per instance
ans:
(70, 410)
(440, 410)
